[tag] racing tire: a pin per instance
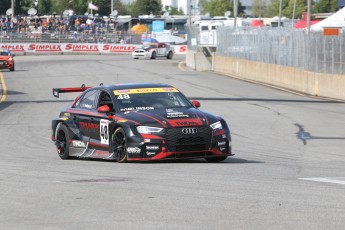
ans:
(119, 141)
(154, 55)
(170, 55)
(12, 69)
(216, 159)
(62, 141)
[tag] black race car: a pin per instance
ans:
(138, 122)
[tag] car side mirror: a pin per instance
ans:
(196, 104)
(13, 55)
(103, 109)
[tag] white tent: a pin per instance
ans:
(335, 20)
(169, 38)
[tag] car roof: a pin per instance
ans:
(133, 86)
(4, 50)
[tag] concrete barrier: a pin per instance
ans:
(317, 84)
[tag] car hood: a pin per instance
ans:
(171, 117)
(2, 58)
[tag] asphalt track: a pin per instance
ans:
(288, 171)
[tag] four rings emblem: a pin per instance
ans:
(189, 130)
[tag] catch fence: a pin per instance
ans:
(283, 46)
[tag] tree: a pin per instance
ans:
(202, 5)
(273, 7)
(326, 6)
(5, 5)
(219, 7)
(301, 6)
(44, 7)
(258, 8)
(146, 7)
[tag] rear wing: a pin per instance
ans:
(57, 91)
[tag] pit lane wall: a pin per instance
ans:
(76, 48)
(295, 79)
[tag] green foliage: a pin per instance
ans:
(145, 7)
(326, 6)
(301, 6)
(273, 7)
(219, 7)
(258, 8)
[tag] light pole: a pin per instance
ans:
(112, 6)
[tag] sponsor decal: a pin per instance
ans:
(182, 49)
(79, 144)
(88, 125)
(118, 48)
(150, 153)
(45, 48)
(67, 114)
(82, 47)
(147, 140)
(221, 143)
(222, 149)
(145, 90)
(102, 153)
(134, 150)
(13, 48)
(186, 123)
(177, 115)
(152, 147)
(224, 136)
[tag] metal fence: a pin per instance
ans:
(283, 46)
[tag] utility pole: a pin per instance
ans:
(12, 6)
(235, 12)
(190, 11)
(280, 12)
(112, 6)
(308, 16)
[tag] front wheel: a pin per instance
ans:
(62, 141)
(120, 145)
(154, 55)
(12, 69)
(215, 159)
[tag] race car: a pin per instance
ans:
(153, 51)
(138, 122)
(6, 59)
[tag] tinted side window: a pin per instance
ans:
(88, 101)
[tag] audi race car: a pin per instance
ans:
(153, 51)
(6, 59)
(138, 122)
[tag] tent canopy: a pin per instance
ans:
(335, 20)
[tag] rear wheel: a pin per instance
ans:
(170, 55)
(154, 55)
(62, 144)
(120, 145)
(215, 159)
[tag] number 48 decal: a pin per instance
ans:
(104, 130)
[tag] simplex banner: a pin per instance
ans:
(87, 48)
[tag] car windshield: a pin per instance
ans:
(5, 54)
(150, 98)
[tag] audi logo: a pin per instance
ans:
(189, 130)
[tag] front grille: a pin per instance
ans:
(178, 142)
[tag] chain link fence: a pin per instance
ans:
(283, 46)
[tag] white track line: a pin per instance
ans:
(334, 180)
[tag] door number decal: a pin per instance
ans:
(104, 130)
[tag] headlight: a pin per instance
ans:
(10, 59)
(217, 126)
(148, 129)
